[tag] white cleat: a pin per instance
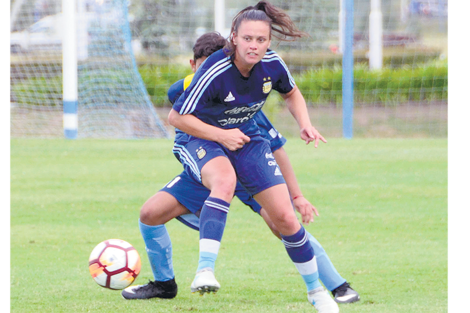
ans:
(322, 301)
(205, 282)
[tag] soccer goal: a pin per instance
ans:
(112, 100)
(129, 52)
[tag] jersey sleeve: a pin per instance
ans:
(268, 131)
(284, 82)
(175, 91)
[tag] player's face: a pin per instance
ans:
(195, 64)
(251, 43)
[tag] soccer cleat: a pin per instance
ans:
(205, 282)
(154, 289)
(322, 301)
(345, 294)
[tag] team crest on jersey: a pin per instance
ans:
(201, 153)
(267, 85)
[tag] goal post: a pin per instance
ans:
(69, 69)
(348, 73)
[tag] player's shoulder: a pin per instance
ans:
(175, 90)
(272, 56)
(216, 64)
(215, 59)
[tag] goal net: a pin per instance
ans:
(131, 51)
(112, 99)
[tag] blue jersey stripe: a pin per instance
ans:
(190, 103)
(272, 56)
(185, 158)
(202, 85)
(207, 84)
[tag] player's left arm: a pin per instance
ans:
(301, 204)
(298, 108)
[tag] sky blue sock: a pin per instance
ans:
(211, 228)
(159, 251)
(326, 270)
(301, 253)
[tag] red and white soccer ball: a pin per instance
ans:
(114, 264)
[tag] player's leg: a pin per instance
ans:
(276, 201)
(207, 161)
(180, 196)
(215, 176)
(270, 191)
(158, 247)
(327, 272)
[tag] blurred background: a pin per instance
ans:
(129, 52)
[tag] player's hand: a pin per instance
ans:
(310, 134)
(306, 209)
(233, 139)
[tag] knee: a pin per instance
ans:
(147, 215)
(223, 185)
(287, 223)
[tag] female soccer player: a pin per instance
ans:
(183, 195)
(216, 112)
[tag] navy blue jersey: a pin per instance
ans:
(220, 96)
(267, 129)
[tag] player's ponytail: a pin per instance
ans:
(282, 27)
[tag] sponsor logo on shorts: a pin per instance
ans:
(269, 155)
(277, 172)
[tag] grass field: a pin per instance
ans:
(383, 222)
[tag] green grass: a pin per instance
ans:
(383, 223)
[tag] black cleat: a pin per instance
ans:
(345, 294)
(154, 289)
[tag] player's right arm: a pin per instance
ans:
(233, 139)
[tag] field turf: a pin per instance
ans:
(383, 223)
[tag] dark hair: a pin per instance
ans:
(280, 23)
(208, 44)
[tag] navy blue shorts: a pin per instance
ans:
(192, 194)
(254, 163)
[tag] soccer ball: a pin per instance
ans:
(114, 264)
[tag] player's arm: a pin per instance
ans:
(232, 139)
(298, 108)
(301, 204)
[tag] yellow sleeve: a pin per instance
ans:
(187, 81)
